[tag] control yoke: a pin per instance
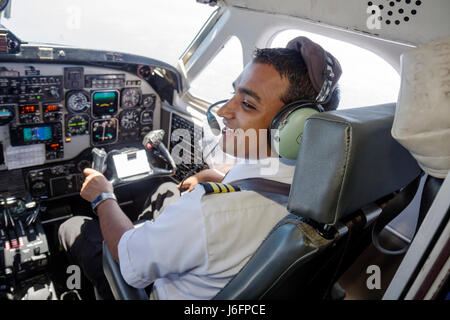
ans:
(132, 164)
(99, 157)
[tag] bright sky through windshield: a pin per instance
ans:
(160, 29)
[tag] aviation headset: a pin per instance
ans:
(324, 71)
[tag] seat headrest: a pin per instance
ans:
(347, 160)
(422, 120)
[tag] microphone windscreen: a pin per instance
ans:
(213, 123)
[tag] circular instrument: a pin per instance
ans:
(6, 114)
(77, 124)
(130, 97)
(129, 119)
(77, 101)
(148, 101)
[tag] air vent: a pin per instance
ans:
(396, 12)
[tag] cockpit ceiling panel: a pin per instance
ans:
(411, 21)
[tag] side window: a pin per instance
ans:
(214, 82)
(366, 78)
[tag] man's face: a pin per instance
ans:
(257, 99)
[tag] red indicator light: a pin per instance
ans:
(28, 109)
(51, 108)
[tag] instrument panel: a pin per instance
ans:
(57, 111)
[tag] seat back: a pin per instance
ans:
(422, 125)
(120, 289)
(347, 161)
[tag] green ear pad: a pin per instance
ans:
(291, 131)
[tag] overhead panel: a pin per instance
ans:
(411, 21)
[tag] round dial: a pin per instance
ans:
(6, 114)
(104, 131)
(77, 101)
(148, 101)
(129, 119)
(77, 125)
(131, 97)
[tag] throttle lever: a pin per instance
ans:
(99, 159)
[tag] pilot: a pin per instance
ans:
(199, 242)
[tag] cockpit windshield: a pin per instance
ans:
(151, 28)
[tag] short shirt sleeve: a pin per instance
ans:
(173, 244)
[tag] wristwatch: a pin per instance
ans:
(100, 198)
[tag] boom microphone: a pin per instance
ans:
(212, 120)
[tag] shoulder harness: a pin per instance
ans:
(276, 191)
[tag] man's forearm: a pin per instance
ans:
(214, 174)
(113, 224)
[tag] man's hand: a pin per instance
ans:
(189, 184)
(94, 184)
(212, 175)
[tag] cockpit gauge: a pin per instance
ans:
(130, 97)
(104, 131)
(147, 116)
(77, 101)
(6, 114)
(148, 100)
(77, 124)
(105, 103)
(129, 119)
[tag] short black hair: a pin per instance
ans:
(290, 64)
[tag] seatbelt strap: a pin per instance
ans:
(393, 208)
(273, 190)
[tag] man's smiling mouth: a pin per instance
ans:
(227, 131)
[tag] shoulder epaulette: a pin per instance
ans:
(215, 187)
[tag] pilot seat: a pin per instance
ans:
(348, 165)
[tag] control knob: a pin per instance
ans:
(39, 188)
(36, 119)
(54, 92)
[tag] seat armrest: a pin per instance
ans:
(120, 289)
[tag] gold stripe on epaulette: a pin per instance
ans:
(214, 187)
(222, 187)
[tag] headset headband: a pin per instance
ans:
(324, 69)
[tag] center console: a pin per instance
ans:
(24, 248)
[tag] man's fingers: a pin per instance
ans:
(88, 171)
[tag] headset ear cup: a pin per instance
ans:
(290, 132)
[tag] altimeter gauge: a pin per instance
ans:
(77, 101)
(130, 97)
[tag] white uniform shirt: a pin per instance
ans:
(198, 243)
